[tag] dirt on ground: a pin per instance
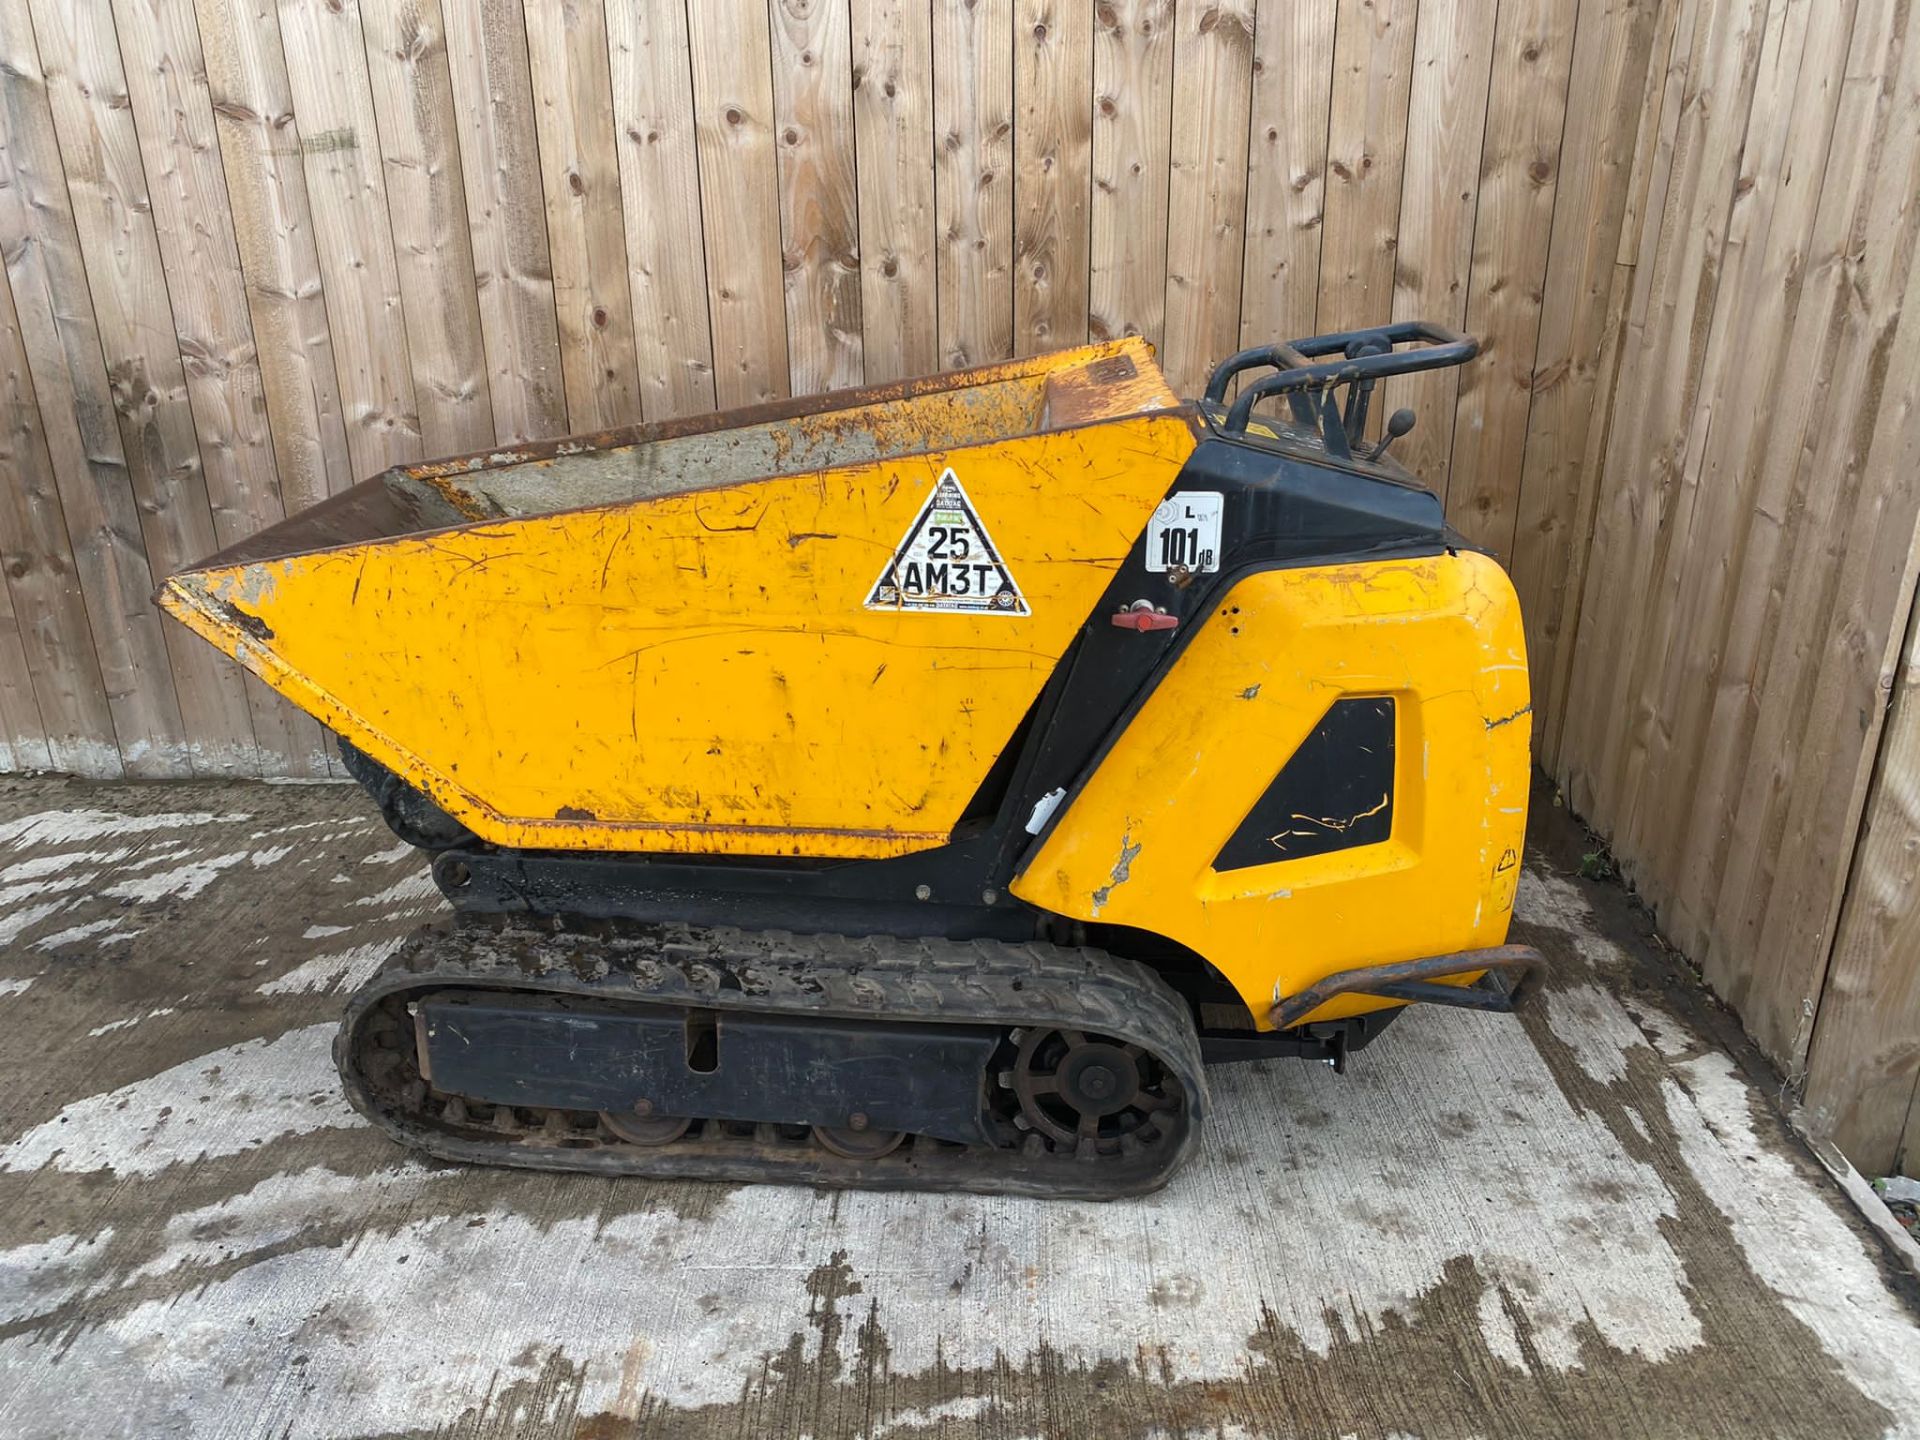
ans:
(1585, 1220)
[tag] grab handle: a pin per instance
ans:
(1366, 357)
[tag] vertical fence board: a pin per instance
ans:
(65, 698)
(1053, 140)
(579, 168)
(1772, 231)
(973, 179)
(266, 189)
(1717, 392)
(1617, 55)
(739, 197)
(813, 110)
(173, 115)
(23, 738)
(1287, 179)
(1207, 188)
(893, 153)
(1863, 1075)
(1823, 319)
(654, 121)
(1777, 640)
(1848, 603)
(47, 275)
(333, 124)
(513, 273)
(1132, 139)
(1513, 223)
(28, 570)
(1660, 363)
(1366, 136)
(1446, 128)
(113, 219)
(414, 135)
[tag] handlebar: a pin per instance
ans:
(1366, 357)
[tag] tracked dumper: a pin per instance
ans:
(914, 786)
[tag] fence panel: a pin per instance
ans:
(1753, 559)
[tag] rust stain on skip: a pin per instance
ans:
(470, 506)
(252, 624)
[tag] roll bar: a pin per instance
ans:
(1366, 358)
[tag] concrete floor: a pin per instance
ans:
(1584, 1221)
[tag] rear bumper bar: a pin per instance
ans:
(1509, 971)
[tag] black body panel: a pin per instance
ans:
(559, 1052)
(1334, 793)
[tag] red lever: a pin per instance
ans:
(1142, 616)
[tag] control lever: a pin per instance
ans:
(1398, 424)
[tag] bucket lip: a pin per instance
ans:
(413, 500)
(795, 407)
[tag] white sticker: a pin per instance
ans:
(947, 563)
(1184, 533)
(1043, 809)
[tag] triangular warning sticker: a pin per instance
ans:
(947, 563)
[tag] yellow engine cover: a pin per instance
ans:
(1138, 844)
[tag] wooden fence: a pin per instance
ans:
(258, 249)
(1752, 562)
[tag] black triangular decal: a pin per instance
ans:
(947, 562)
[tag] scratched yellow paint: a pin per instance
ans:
(1136, 845)
(700, 672)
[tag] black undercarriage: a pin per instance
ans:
(685, 1052)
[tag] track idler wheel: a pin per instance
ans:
(637, 1129)
(1089, 1094)
(858, 1144)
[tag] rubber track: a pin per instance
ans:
(824, 976)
